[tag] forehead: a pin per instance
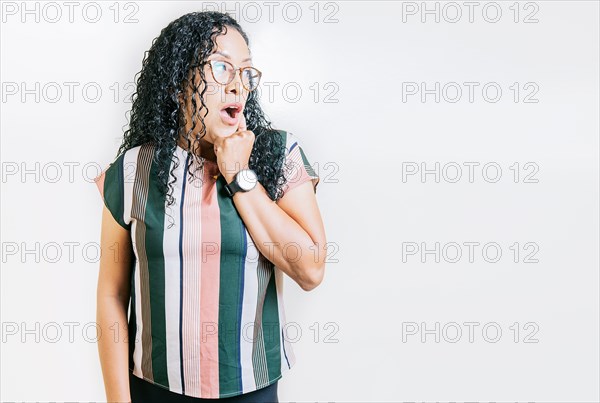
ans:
(232, 46)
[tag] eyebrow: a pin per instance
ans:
(228, 57)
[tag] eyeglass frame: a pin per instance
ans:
(236, 69)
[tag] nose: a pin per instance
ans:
(235, 86)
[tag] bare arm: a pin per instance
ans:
(112, 302)
(289, 233)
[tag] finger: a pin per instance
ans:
(242, 125)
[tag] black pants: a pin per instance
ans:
(145, 392)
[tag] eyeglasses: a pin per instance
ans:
(224, 72)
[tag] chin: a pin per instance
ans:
(219, 129)
(211, 134)
(225, 131)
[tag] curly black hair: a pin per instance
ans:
(157, 115)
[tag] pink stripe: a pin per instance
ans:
(297, 174)
(191, 287)
(211, 265)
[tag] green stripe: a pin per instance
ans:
(113, 190)
(270, 325)
(132, 326)
(154, 221)
(309, 168)
(233, 250)
(284, 137)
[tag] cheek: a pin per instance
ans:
(213, 104)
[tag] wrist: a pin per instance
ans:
(243, 181)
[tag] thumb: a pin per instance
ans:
(242, 125)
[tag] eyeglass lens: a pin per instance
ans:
(223, 74)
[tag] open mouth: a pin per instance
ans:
(232, 109)
(230, 113)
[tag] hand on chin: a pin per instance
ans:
(227, 131)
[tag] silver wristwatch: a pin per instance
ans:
(245, 180)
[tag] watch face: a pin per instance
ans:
(247, 179)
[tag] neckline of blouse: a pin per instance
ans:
(185, 152)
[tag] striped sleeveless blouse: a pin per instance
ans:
(206, 315)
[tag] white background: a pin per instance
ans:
(362, 146)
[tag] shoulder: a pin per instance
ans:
(289, 139)
(126, 161)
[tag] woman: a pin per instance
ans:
(206, 205)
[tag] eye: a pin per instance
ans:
(251, 77)
(219, 67)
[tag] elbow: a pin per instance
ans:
(313, 276)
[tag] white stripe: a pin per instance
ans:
(129, 172)
(172, 278)
(192, 336)
(248, 315)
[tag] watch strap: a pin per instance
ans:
(232, 188)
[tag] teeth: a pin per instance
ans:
(231, 110)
